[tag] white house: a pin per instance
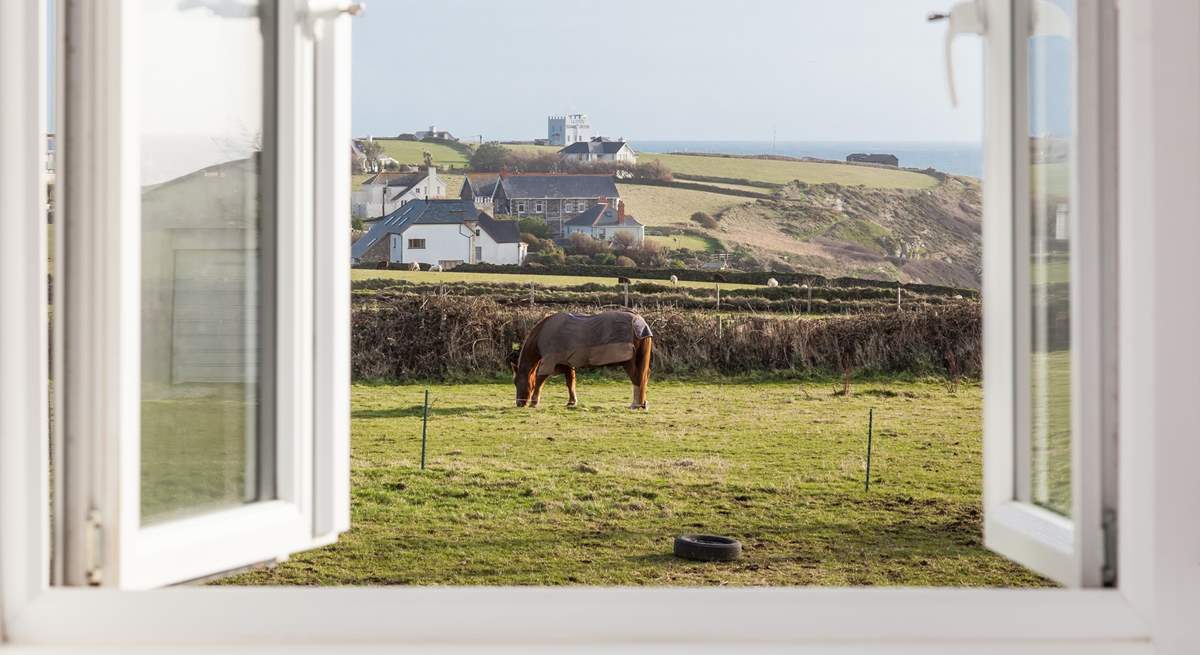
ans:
(599, 149)
(562, 130)
(384, 193)
(603, 221)
(444, 232)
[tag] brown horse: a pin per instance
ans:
(562, 342)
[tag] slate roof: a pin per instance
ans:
(500, 231)
(392, 180)
(483, 185)
(434, 212)
(601, 147)
(601, 216)
(559, 186)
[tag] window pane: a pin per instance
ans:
(1051, 93)
(202, 104)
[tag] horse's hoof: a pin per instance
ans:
(571, 405)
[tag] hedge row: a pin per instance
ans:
(421, 337)
(737, 277)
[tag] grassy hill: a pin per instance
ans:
(781, 172)
(412, 152)
(656, 206)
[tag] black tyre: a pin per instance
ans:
(707, 548)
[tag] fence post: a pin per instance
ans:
(870, 431)
(718, 296)
(898, 291)
(531, 293)
(626, 285)
(424, 423)
(808, 305)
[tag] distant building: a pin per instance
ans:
(384, 193)
(481, 189)
(599, 149)
(434, 133)
(442, 232)
(603, 221)
(565, 130)
(555, 198)
(881, 159)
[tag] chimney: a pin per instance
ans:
(620, 212)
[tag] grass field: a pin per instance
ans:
(594, 495)
(782, 172)
(412, 152)
(520, 278)
(656, 205)
(691, 242)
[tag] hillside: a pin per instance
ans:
(413, 152)
(928, 235)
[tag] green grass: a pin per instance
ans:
(412, 152)
(691, 242)
(782, 172)
(594, 495)
(521, 278)
(656, 205)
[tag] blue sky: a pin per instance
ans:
(810, 70)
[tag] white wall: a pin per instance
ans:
(498, 253)
(442, 242)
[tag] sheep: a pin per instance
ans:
(674, 281)
(414, 266)
(772, 282)
(436, 268)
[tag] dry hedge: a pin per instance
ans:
(423, 337)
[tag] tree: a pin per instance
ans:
(582, 244)
(534, 225)
(490, 157)
(626, 262)
(372, 150)
(622, 241)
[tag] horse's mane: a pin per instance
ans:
(530, 343)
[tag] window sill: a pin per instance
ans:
(597, 617)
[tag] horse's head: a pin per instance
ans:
(523, 381)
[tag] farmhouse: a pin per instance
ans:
(443, 232)
(434, 133)
(555, 198)
(384, 193)
(599, 149)
(881, 159)
(603, 221)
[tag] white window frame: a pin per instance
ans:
(103, 541)
(412, 244)
(1151, 610)
(1069, 550)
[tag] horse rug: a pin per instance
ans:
(583, 341)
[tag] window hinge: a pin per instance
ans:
(1108, 523)
(95, 555)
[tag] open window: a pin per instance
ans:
(1049, 287)
(204, 326)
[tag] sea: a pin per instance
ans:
(957, 158)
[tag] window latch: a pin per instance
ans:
(94, 537)
(966, 17)
(321, 11)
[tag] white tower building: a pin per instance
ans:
(565, 130)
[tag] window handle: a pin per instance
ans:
(966, 17)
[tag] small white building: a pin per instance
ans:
(603, 221)
(384, 193)
(599, 149)
(444, 232)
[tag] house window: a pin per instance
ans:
(416, 244)
(521, 207)
(539, 207)
(478, 254)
